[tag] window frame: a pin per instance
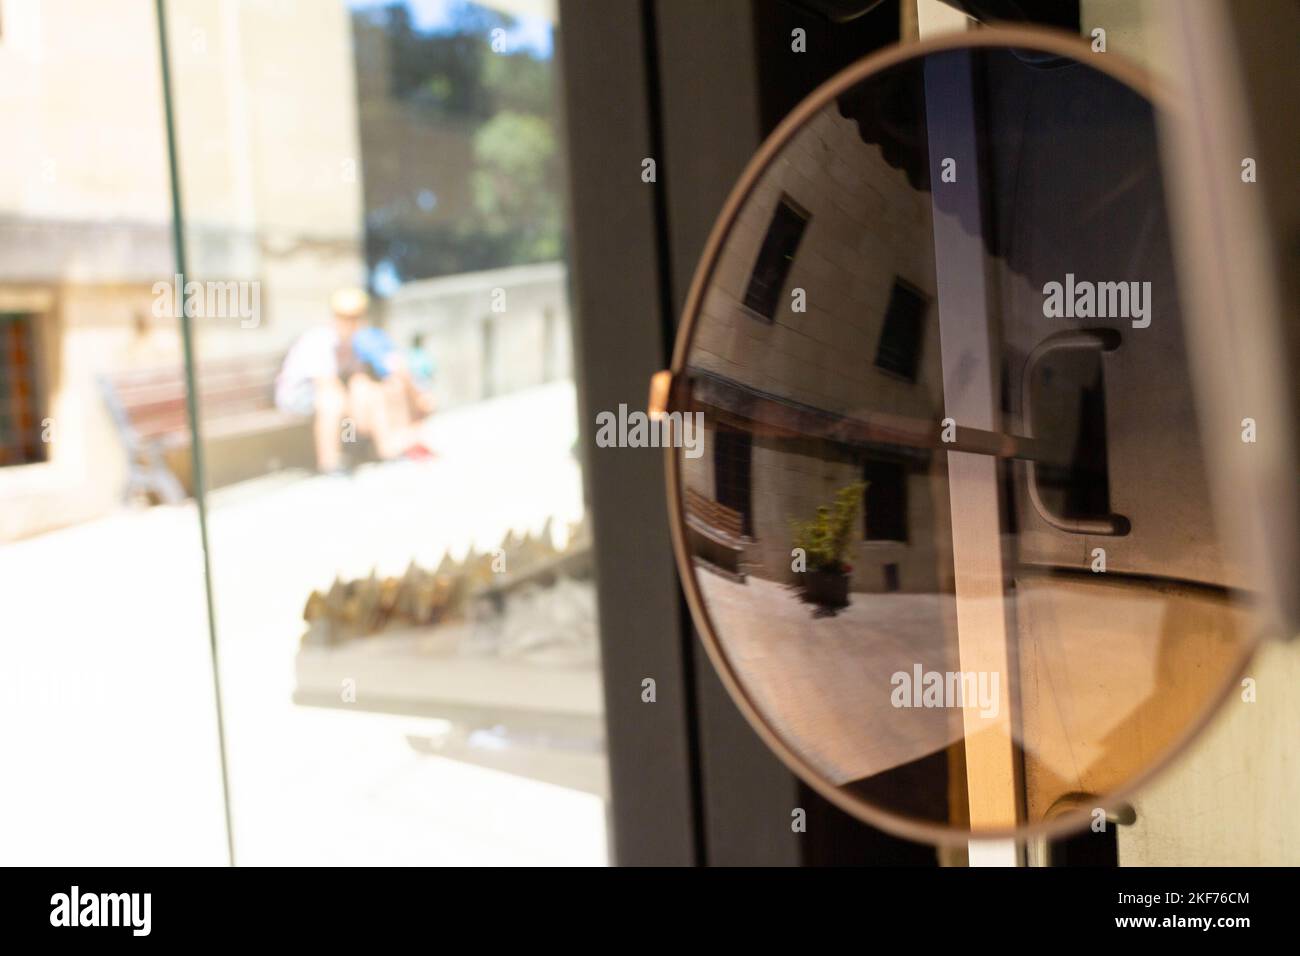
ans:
(785, 202)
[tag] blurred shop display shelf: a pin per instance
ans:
(425, 672)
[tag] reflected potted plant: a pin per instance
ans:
(825, 544)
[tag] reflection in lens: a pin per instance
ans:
(951, 526)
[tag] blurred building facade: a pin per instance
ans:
(273, 192)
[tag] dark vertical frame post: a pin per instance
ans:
(710, 113)
(620, 299)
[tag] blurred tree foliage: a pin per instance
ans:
(514, 183)
(430, 215)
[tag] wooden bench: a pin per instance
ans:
(236, 398)
(716, 533)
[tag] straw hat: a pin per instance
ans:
(350, 302)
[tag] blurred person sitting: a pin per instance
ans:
(405, 403)
(325, 376)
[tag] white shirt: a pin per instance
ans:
(313, 356)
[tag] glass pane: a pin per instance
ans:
(109, 742)
(950, 520)
(401, 570)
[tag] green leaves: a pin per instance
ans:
(825, 539)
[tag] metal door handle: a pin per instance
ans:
(1105, 340)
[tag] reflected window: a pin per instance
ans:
(899, 349)
(884, 504)
(732, 452)
(775, 257)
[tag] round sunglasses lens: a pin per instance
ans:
(946, 507)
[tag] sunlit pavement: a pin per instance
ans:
(813, 674)
(109, 746)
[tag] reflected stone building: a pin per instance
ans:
(812, 236)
